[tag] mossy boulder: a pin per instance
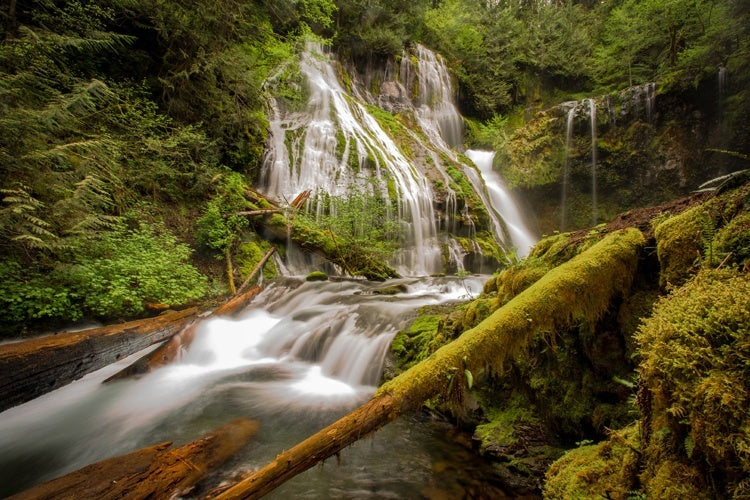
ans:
(695, 351)
(605, 470)
(316, 276)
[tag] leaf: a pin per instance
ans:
(469, 378)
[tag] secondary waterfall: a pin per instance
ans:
(566, 166)
(502, 202)
(592, 110)
(301, 356)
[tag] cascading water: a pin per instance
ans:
(435, 98)
(650, 90)
(502, 202)
(566, 167)
(303, 355)
(594, 208)
(336, 144)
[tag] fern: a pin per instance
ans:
(19, 222)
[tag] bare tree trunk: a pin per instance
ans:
(258, 267)
(230, 271)
(152, 472)
(11, 25)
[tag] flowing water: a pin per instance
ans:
(502, 202)
(594, 207)
(566, 167)
(337, 144)
(302, 355)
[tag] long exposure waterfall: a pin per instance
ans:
(566, 166)
(594, 187)
(338, 142)
(502, 202)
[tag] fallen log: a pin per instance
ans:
(358, 424)
(253, 212)
(258, 267)
(34, 367)
(578, 290)
(170, 350)
(153, 472)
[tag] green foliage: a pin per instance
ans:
(115, 274)
(356, 229)
(250, 253)
(219, 227)
(125, 269)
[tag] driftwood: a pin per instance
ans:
(170, 350)
(153, 472)
(34, 367)
(301, 199)
(579, 290)
(255, 271)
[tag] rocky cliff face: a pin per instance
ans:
(648, 146)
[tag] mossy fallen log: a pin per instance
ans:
(152, 472)
(578, 290)
(170, 350)
(34, 367)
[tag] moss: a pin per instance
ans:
(500, 430)
(605, 470)
(673, 479)
(534, 154)
(316, 276)
(579, 290)
(695, 351)
(734, 238)
(679, 243)
(250, 253)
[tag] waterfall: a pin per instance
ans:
(336, 144)
(594, 215)
(566, 167)
(650, 89)
(722, 81)
(502, 202)
(435, 100)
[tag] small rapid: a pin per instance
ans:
(303, 354)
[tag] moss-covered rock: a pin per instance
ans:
(605, 470)
(316, 276)
(695, 351)
(250, 253)
(679, 242)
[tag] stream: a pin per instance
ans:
(302, 355)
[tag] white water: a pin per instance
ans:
(502, 202)
(304, 149)
(594, 207)
(304, 354)
(566, 167)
